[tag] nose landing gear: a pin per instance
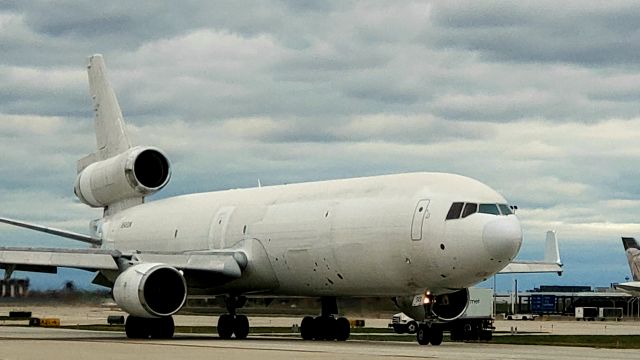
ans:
(429, 333)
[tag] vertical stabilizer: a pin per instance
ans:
(633, 256)
(551, 250)
(111, 137)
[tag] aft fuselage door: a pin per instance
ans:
(420, 215)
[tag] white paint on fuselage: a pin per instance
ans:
(349, 237)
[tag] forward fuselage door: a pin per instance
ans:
(420, 215)
(219, 227)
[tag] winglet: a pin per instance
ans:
(111, 137)
(551, 249)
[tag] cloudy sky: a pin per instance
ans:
(541, 103)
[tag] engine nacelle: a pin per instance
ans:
(447, 307)
(138, 172)
(150, 290)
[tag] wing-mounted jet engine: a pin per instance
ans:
(138, 172)
(150, 290)
(443, 308)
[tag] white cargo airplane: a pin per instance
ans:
(431, 234)
(632, 250)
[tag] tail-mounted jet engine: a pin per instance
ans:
(150, 290)
(138, 172)
(446, 307)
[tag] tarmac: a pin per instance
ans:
(54, 344)
(21, 342)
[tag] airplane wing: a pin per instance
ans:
(226, 264)
(48, 260)
(551, 262)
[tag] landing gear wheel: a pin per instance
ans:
(325, 328)
(307, 328)
(436, 336)
(342, 329)
(423, 335)
(134, 328)
(241, 327)
(161, 328)
(225, 326)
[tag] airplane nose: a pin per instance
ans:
(502, 238)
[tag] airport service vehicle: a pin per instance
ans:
(521, 316)
(586, 313)
(598, 313)
(475, 324)
(422, 237)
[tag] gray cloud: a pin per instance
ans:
(538, 101)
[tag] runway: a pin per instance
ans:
(54, 344)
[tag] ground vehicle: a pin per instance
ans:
(475, 324)
(586, 313)
(521, 316)
(609, 313)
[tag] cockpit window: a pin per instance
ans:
(469, 208)
(506, 210)
(489, 209)
(455, 210)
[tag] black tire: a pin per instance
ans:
(422, 335)
(241, 327)
(436, 336)
(325, 328)
(307, 328)
(342, 329)
(412, 327)
(161, 328)
(136, 328)
(225, 326)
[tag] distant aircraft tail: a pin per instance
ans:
(633, 256)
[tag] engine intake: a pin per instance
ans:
(150, 290)
(446, 307)
(138, 172)
(449, 307)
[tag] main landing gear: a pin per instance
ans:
(429, 333)
(149, 328)
(233, 324)
(326, 326)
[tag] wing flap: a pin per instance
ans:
(224, 264)
(522, 267)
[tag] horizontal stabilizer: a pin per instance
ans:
(57, 232)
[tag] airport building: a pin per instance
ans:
(14, 287)
(564, 300)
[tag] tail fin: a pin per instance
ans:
(551, 250)
(111, 137)
(633, 256)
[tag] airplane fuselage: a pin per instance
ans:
(372, 236)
